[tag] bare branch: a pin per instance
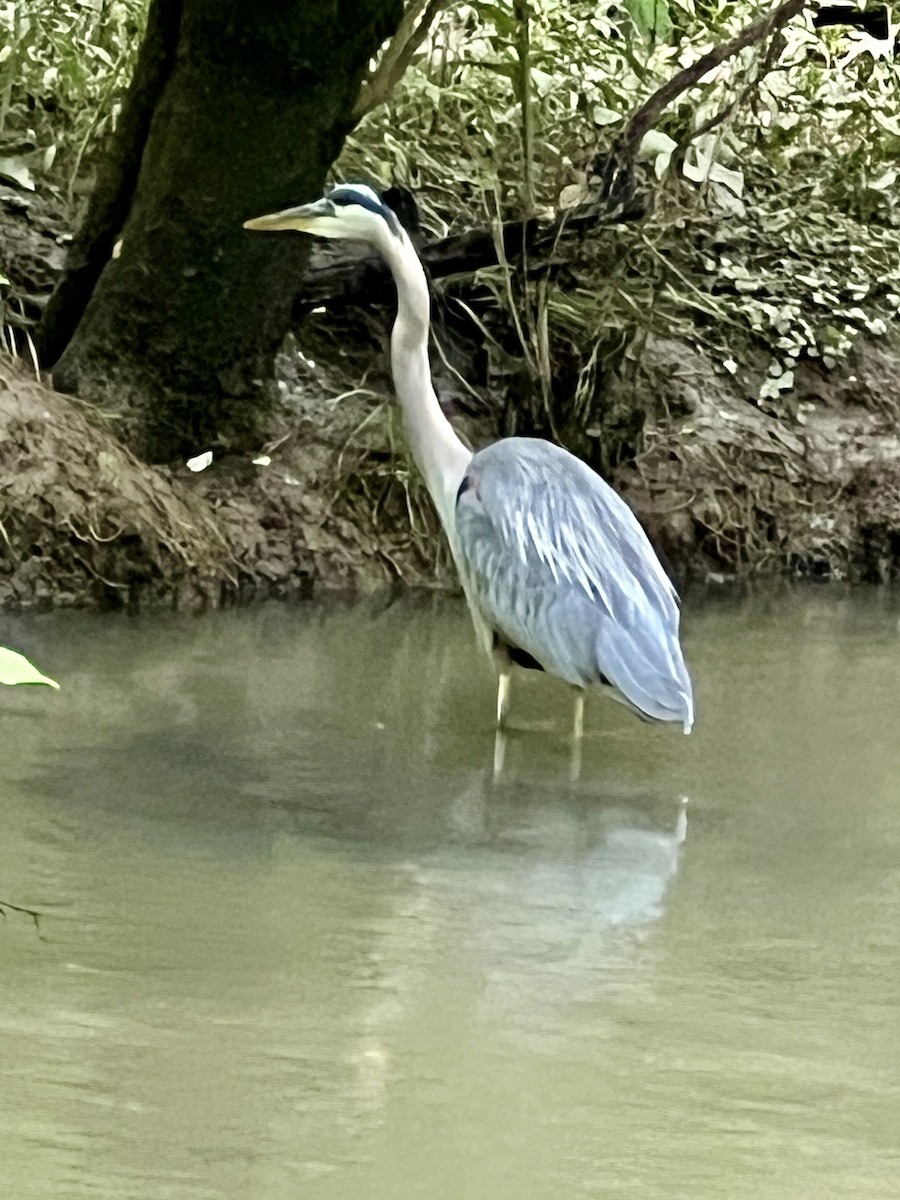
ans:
(643, 119)
(398, 54)
(341, 277)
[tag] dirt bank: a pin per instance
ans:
(330, 502)
(730, 488)
(725, 488)
(84, 523)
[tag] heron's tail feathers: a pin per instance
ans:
(649, 675)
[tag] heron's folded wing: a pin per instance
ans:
(558, 564)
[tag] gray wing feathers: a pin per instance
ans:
(556, 562)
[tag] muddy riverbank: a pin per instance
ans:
(328, 501)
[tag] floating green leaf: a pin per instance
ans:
(15, 668)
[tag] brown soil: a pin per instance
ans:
(730, 488)
(725, 488)
(84, 523)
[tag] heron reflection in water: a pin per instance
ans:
(558, 573)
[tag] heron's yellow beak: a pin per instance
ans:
(306, 218)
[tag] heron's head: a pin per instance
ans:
(351, 211)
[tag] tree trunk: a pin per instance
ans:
(113, 192)
(184, 323)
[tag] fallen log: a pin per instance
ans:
(345, 274)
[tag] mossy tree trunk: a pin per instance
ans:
(238, 107)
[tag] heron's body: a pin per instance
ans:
(555, 564)
(557, 571)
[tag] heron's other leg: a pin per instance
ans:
(681, 823)
(577, 735)
(504, 666)
(575, 763)
(578, 728)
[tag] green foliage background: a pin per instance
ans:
(64, 65)
(774, 234)
(774, 230)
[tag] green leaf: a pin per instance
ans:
(651, 18)
(15, 668)
(884, 181)
(706, 169)
(658, 146)
(655, 142)
(542, 80)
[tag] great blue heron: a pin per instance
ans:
(557, 571)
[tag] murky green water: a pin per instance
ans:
(299, 943)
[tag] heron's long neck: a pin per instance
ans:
(439, 454)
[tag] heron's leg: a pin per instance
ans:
(504, 666)
(499, 751)
(503, 686)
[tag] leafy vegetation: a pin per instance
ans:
(64, 65)
(774, 232)
(775, 221)
(772, 187)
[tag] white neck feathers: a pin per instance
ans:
(440, 455)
